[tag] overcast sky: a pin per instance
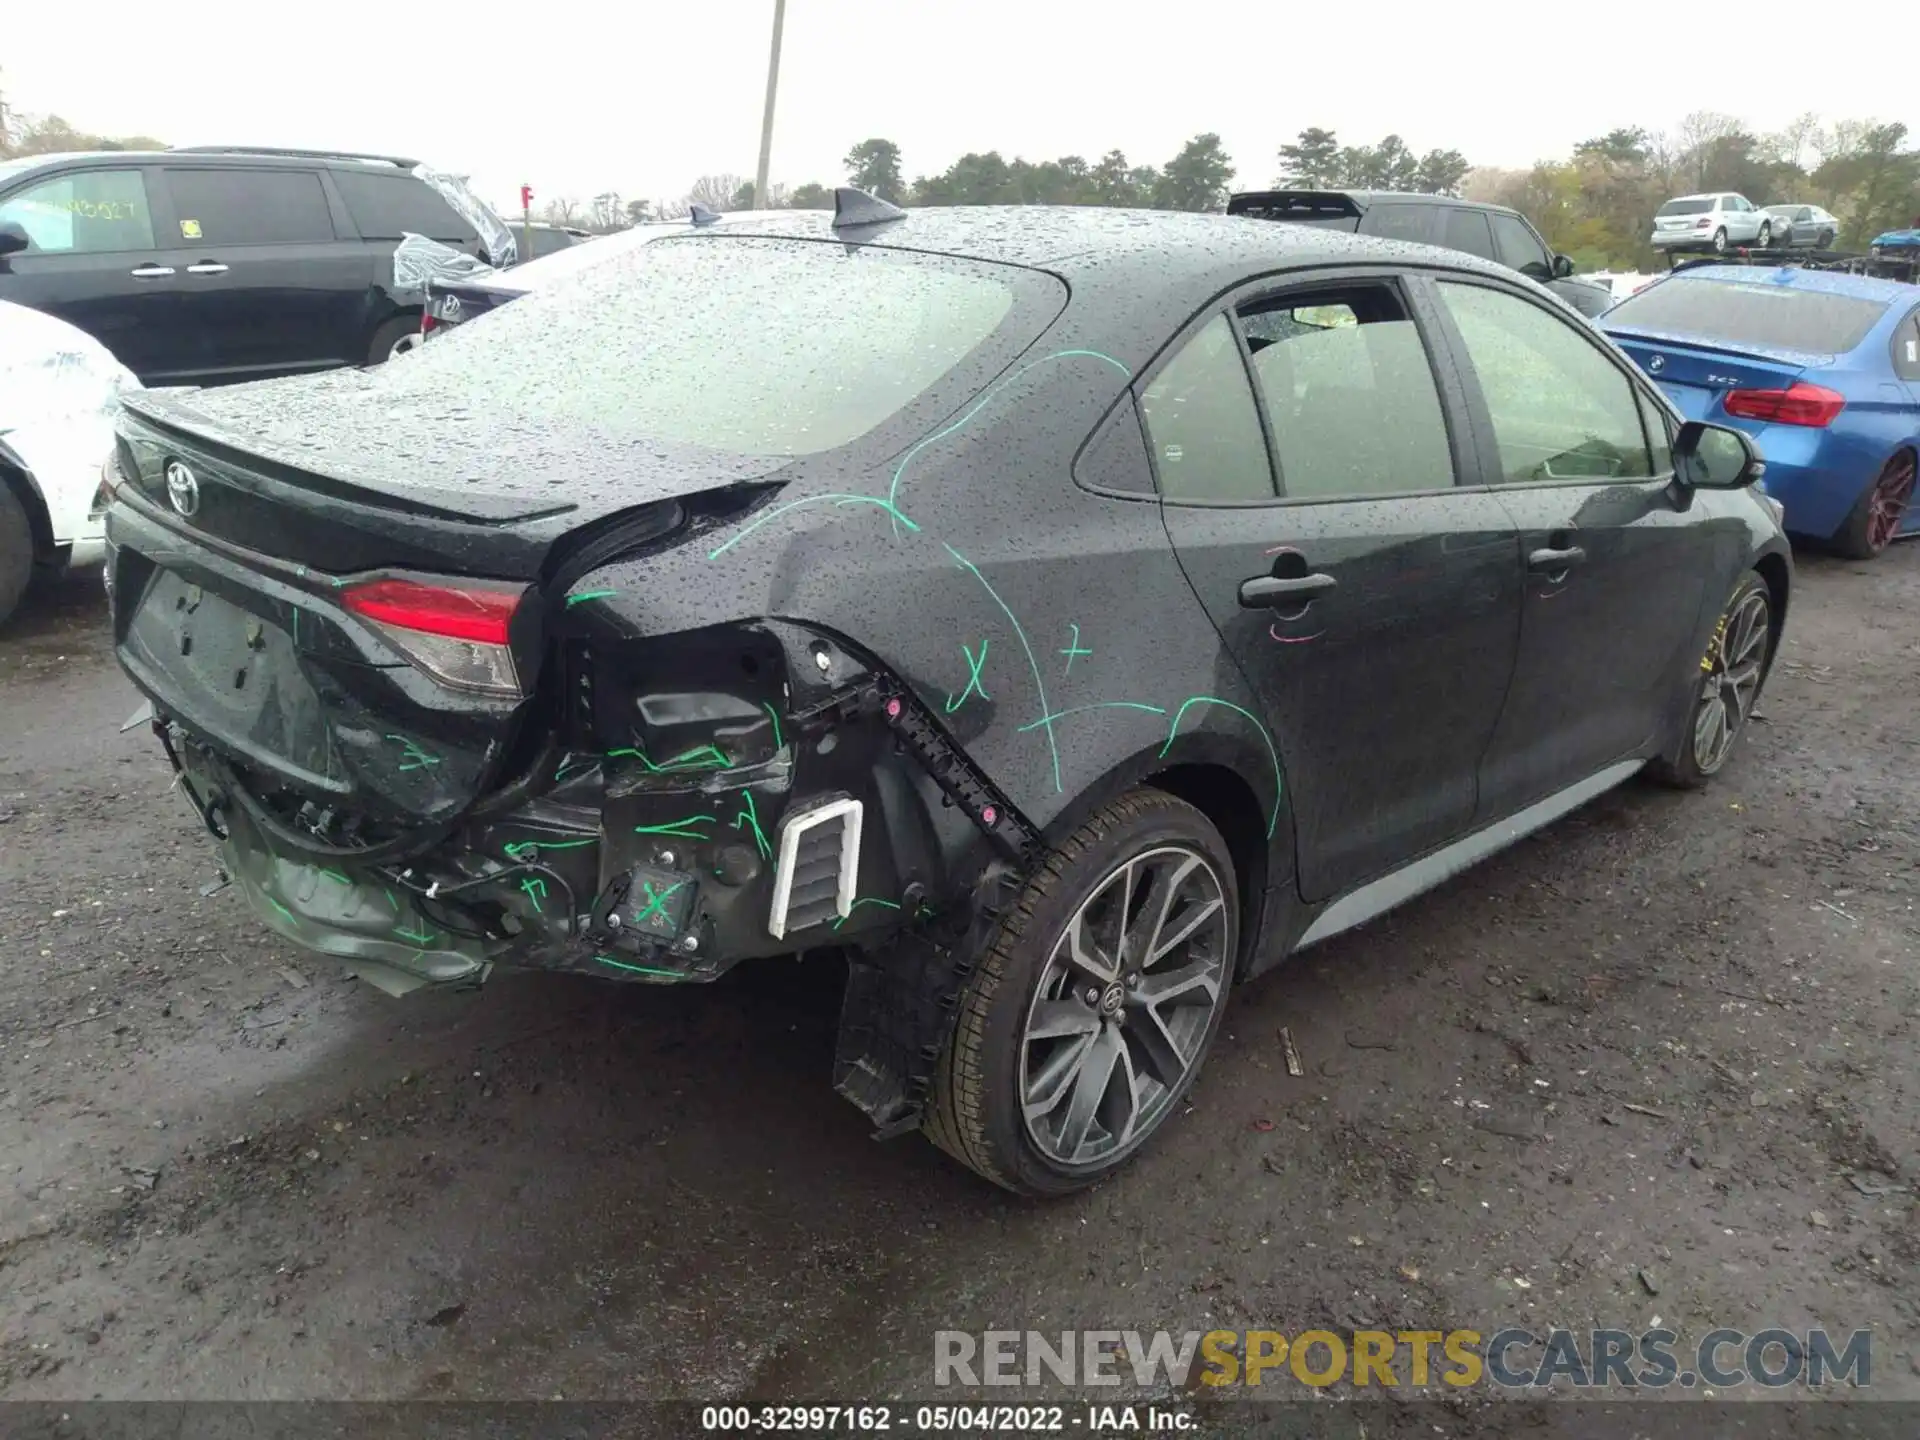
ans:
(643, 97)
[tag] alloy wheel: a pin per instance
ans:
(1720, 241)
(1733, 680)
(1124, 1006)
(1887, 507)
(1766, 236)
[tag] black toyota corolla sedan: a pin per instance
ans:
(1064, 613)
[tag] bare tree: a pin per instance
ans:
(1790, 144)
(608, 212)
(1693, 141)
(562, 210)
(716, 192)
(676, 209)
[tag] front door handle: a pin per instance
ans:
(207, 267)
(150, 272)
(1274, 591)
(1552, 562)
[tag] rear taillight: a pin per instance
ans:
(1798, 404)
(107, 489)
(457, 634)
(1703, 222)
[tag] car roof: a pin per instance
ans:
(237, 155)
(1825, 282)
(1702, 195)
(1368, 198)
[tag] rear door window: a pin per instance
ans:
(385, 207)
(1466, 230)
(249, 207)
(1329, 367)
(84, 212)
(1395, 221)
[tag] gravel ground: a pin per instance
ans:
(1666, 1046)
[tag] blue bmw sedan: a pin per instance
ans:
(1822, 369)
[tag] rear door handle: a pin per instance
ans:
(1272, 591)
(206, 267)
(150, 272)
(1552, 562)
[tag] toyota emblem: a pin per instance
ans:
(1656, 363)
(182, 488)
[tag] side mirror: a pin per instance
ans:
(13, 239)
(1562, 267)
(1713, 457)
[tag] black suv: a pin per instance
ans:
(197, 266)
(1492, 232)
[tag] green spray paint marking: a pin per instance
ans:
(774, 716)
(1272, 754)
(296, 624)
(1096, 705)
(974, 687)
(657, 902)
(1073, 649)
(586, 595)
(412, 757)
(536, 891)
(751, 815)
(637, 969)
(292, 919)
(993, 391)
(837, 499)
(419, 937)
(1039, 685)
(336, 877)
(854, 909)
(393, 902)
(701, 757)
(521, 851)
(682, 829)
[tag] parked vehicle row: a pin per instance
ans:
(200, 266)
(1031, 602)
(1725, 220)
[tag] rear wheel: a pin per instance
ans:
(16, 551)
(1720, 241)
(396, 337)
(1881, 510)
(1725, 686)
(1096, 1002)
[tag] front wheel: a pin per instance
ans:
(1766, 235)
(1095, 1003)
(1827, 239)
(1725, 686)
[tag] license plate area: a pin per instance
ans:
(234, 675)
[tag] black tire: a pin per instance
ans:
(1764, 240)
(1827, 239)
(1866, 534)
(1720, 241)
(1742, 637)
(16, 552)
(389, 335)
(976, 1112)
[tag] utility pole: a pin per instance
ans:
(766, 120)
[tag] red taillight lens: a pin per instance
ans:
(457, 634)
(1703, 222)
(1799, 404)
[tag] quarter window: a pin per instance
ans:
(1202, 424)
(1906, 348)
(1519, 246)
(85, 212)
(1560, 409)
(1466, 230)
(1350, 396)
(250, 207)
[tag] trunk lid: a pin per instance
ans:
(1697, 376)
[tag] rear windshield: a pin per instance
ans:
(742, 345)
(1767, 317)
(1686, 207)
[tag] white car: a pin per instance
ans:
(59, 390)
(1716, 222)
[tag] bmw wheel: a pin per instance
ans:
(1096, 1002)
(1725, 687)
(1880, 511)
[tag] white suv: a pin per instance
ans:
(1711, 222)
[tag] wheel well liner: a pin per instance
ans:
(1226, 799)
(16, 478)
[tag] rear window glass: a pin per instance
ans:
(1686, 207)
(1769, 317)
(385, 207)
(744, 346)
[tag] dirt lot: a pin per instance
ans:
(1668, 1046)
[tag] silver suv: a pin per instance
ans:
(1711, 222)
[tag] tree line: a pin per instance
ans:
(1596, 204)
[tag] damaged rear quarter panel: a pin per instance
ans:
(1049, 628)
